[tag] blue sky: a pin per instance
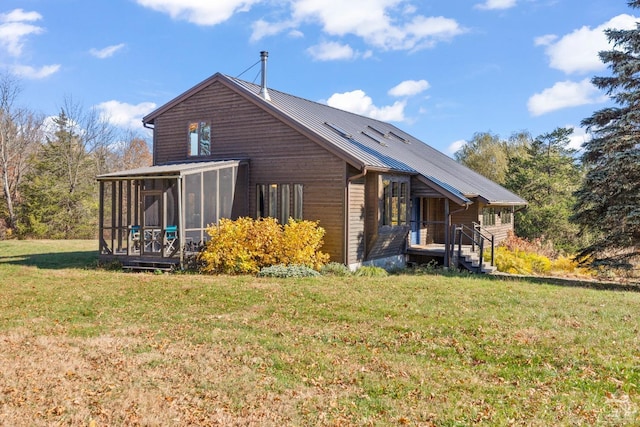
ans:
(439, 69)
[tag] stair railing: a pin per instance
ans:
(477, 236)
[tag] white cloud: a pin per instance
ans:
(331, 51)
(409, 88)
(455, 146)
(577, 52)
(262, 29)
(32, 73)
(563, 95)
(545, 40)
(123, 115)
(380, 23)
(14, 28)
(578, 137)
(200, 12)
(107, 51)
(496, 5)
(359, 102)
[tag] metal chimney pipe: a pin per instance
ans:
(264, 93)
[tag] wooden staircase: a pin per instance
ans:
(469, 244)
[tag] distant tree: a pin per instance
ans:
(19, 136)
(61, 191)
(546, 176)
(489, 155)
(135, 153)
(485, 153)
(608, 201)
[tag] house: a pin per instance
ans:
(228, 148)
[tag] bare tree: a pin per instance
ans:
(20, 133)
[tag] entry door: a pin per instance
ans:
(152, 210)
(416, 221)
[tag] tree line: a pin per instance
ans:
(586, 203)
(48, 166)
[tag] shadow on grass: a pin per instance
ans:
(54, 261)
(569, 282)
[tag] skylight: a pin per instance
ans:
(406, 141)
(374, 138)
(337, 129)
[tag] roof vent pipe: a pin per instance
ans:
(264, 93)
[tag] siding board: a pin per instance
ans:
(277, 154)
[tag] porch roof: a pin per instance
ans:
(168, 171)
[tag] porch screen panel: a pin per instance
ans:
(193, 201)
(171, 208)
(210, 189)
(152, 210)
(227, 184)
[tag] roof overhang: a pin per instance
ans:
(176, 170)
(447, 191)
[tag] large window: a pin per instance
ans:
(506, 215)
(488, 217)
(199, 138)
(395, 198)
(281, 201)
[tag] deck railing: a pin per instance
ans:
(474, 236)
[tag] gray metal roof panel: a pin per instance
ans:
(401, 152)
(173, 169)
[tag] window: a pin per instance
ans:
(199, 139)
(394, 205)
(279, 201)
(488, 216)
(506, 215)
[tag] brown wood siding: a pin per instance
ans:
(277, 154)
(356, 244)
(466, 217)
(500, 231)
(382, 241)
(420, 189)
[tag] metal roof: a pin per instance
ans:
(381, 145)
(171, 170)
(366, 142)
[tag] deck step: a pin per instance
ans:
(149, 266)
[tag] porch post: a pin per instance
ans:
(101, 218)
(181, 232)
(447, 232)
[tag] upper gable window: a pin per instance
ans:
(199, 138)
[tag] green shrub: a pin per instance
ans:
(371, 271)
(247, 245)
(284, 271)
(335, 269)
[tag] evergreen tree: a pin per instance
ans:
(608, 201)
(60, 191)
(546, 175)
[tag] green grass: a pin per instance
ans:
(79, 344)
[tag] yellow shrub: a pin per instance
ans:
(301, 242)
(247, 245)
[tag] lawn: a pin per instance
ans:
(92, 347)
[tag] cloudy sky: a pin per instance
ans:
(439, 69)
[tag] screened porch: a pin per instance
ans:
(159, 214)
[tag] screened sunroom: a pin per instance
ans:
(157, 215)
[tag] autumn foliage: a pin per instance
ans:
(246, 245)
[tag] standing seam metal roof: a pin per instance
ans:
(399, 152)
